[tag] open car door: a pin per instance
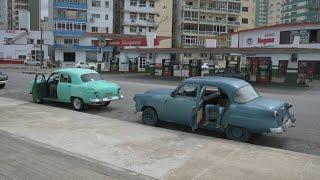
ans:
(197, 111)
(39, 88)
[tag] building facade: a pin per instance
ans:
(281, 67)
(75, 24)
(301, 11)
(21, 45)
(10, 10)
(262, 13)
(274, 12)
(148, 18)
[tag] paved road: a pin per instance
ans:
(304, 138)
(23, 159)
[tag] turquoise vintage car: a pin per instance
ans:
(80, 87)
(223, 104)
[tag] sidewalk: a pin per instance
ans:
(155, 152)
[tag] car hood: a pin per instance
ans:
(265, 103)
(159, 91)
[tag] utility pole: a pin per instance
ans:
(41, 52)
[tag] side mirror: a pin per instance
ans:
(172, 94)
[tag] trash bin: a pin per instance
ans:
(99, 68)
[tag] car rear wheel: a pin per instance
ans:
(237, 133)
(92, 68)
(77, 104)
(150, 117)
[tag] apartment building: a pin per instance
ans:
(262, 13)
(247, 16)
(75, 24)
(274, 12)
(146, 18)
(9, 13)
(300, 11)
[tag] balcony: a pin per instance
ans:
(233, 23)
(138, 22)
(196, 32)
(68, 33)
(212, 21)
(211, 9)
(138, 9)
(68, 5)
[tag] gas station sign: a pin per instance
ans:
(132, 42)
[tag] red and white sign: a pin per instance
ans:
(132, 42)
(266, 40)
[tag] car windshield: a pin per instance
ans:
(91, 77)
(245, 94)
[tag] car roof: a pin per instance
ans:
(75, 71)
(229, 85)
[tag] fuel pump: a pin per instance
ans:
(133, 65)
(195, 67)
(167, 67)
(114, 65)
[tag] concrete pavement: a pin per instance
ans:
(155, 152)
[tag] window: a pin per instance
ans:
(204, 55)
(245, 94)
(133, 2)
(97, 16)
(188, 90)
(245, 9)
(39, 41)
(187, 54)
(314, 36)
(285, 37)
(107, 17)
(143, 16)
(22, 57)
(96, 4)
(245, 21)
(133, 29)
(65, 78)
(143, 3)
(107, 4)
(107, 30)
(91, 77)
(94, 29)
(151, 3)
(67, 41)
(30, 41)
(36, 55)
(76, 41)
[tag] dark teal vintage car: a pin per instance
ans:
(227, 105)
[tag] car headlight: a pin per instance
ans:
(119, 90)
(290, 105)
(275, 114)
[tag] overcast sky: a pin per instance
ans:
(44, 8)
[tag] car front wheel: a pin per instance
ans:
(2, 86)
(236, 133)
(77, 104)
(150, 117)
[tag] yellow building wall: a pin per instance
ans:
(164, 10)
(274, 16)
(250, 15)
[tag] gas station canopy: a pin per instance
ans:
(248, 51)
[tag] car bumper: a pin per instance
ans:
(99, 101)
(288, 124)
(3, 82)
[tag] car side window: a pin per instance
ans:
(188, 90)
(54, 77)
(65, 78)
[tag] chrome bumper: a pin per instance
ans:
(288, 124)
(107, 99)
(3, 82)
